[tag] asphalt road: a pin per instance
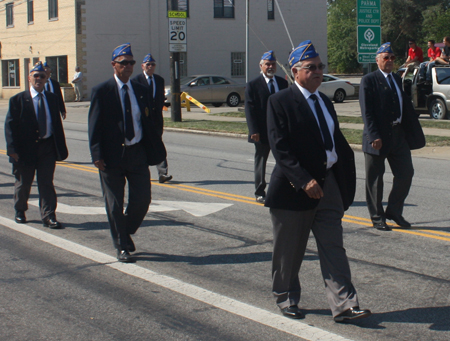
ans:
(204, 251)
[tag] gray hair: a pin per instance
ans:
(297, 65)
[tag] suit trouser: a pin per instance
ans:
(290, 237)
(134, 170)
(44, 167)
(78, 89)
(400, 161)
(262, 151)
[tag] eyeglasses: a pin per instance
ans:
(389, 58)
(150, 64)
(126, 62)
(411, 43)
(39, 75)
(313, 67)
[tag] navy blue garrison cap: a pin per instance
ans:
(385, 48)
(38, 67)
(122, 50)
(305, 50)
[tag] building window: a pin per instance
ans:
(270, 10)
(223, 8)
(59, 68)
(10, 15)
(52, 9)
(179, 5)
(10, 71)
(30, 9)
(237, 64)
(183, 64)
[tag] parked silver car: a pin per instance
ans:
(336, 88)
(211, 89)
(433, 97)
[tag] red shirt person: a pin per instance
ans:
(415, 54)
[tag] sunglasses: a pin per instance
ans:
(39, 75)
(126, 62)
(411, 43)
(313, 67)
(389, 58)
(150, 64)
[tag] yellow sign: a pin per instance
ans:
(186, 98)
(177, 14)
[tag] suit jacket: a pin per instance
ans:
(106, 125)
(22, 128)
(159, 98)
(256, 95)
(377, 101)
(58, 93)
(299, 151)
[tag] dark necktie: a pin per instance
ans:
(150, 83)
(271, 87)
(323, 124)
(129, 129)
(397, 113)
(42, 117)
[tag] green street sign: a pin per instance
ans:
(366, 58)
(368, 12)
(369, 39)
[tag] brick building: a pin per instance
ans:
(67, 33)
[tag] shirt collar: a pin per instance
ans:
(34, 93)
(120, 84)
(306, 92)
(385, 74)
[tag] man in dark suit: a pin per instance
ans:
(155, 85)
(53, 86)
(123, 142)
(257, 92)
(391, 130)
(35, 141)
(312, 184)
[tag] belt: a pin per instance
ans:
(44, 140)
(132, 145)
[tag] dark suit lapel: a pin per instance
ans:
(28, 106)
(305, 111)
(263, 85)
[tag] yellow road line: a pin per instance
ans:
(247, 200)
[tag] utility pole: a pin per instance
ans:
(247, 39)
(175, 103)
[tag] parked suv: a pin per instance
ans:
(433, 97)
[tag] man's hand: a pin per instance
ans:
(100, 164)
(63, 114)
(15, 156)
(255, 137)
(377, 144)
(313, 190)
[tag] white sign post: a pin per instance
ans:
(177, 31)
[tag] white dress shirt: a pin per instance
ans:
(135, 110)
(331, 154)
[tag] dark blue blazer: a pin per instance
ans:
(256, 95)
(22, 128)
(377, 106)
(299, 151)
(106, 125)
(159, 97)
(58, 93)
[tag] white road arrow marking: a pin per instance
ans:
(197, 209)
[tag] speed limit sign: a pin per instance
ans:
(177, 31)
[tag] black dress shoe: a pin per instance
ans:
(130, 244)
(293, 312)
(20, 217)
(52, 223)
(352, 314)
(260, 199)
(399, 220)
(382, 226)
(163, 178)
(124, 256)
